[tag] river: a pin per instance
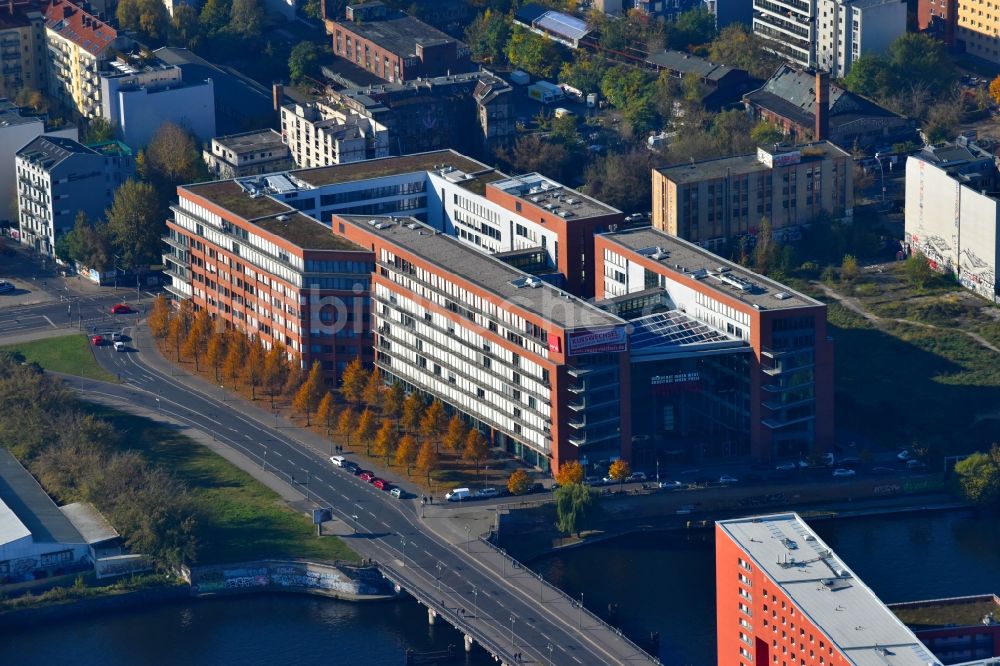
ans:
(661, 582)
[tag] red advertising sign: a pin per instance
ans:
(555, 343)
(597, 342)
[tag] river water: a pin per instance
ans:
(661, 582)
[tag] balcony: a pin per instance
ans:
(176, 292)
(781, 370)
(175, 243)
(778, 406)
(774, 424)
(584, 439)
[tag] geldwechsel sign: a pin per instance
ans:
(588, 341)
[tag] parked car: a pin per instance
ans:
(904, 454)
(725, 478)
(5, 286)
(916, 464)
(120, 308)
(850, 461)
(671, 485)
(687, 508)
(338, 461)
(397, 493)
(841, 472)
(120, 346)
(97, 340)
(458, 495)
(381, 484)
(487, 493)
(635, 477)
(352, 467)
(827, 459)
(536, 488)
(366, 476)
(786, 467)
(593, 481)
(118, 336)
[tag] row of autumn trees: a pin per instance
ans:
(401, 428)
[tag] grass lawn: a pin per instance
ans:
(240, 518)
(70, 354)
(905, 384)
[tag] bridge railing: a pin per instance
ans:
(459, 622)
(574, 602)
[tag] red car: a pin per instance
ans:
(121, 308)
(97, 340)
(381, 484)
(368, 477)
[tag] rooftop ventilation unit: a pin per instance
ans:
(536, 199)
(381, 225)
(282, 218)
(413, 225)
(723, 269)
(372, 223)
(782, 295)
(572, 201)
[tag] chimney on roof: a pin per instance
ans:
(277, 97)
(822, 128)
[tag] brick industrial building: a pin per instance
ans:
(477, 297)
(394, 46)
(716, 201)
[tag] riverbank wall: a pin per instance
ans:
(527, 530)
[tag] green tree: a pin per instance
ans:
(245, 19)
(848, 269)
(532, 153)
(304, 61)
(154, 21)
(487, 37)
(98, 131)
(519, 482)
(620, 84)
(476, 448)
(619, 471)
(766, 134)
(623, 180)
(918, 271)
(979, 477)
(136, 224)
(737, 46)
(693, 27)
(185, 26)
(585, 72)
(127, 14)
(764, 252)
(732, 131)
(533, 53)
(573, 507)
(215, 15)
(173, 158)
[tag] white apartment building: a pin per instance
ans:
(848, 29)
(950, 217)
(789, 26)
(139, 95)
(247, 154)
(318, 134)
(18, 127)
(57, 178)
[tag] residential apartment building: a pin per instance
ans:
(977, 29)
(471, 112)
(247, 154)
(848, 29)
(953, 213)
(17, 127)
(784, 597)
(728, 12)
(139, 94)
(395, 46)
(789, 28)
(58, 178)
(495, 343)
(22, 47)
(938, 18)
(318, 134)
(79, 44)
(278, 275)
(725, 363)
(713, 202)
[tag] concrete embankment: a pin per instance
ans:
(341, 581)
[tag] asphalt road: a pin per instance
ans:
(69, 313)
(466, 577)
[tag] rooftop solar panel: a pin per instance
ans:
(673, 328)
(562, 24)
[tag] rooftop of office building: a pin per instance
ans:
(741, 165)
(554, 197)
(397, 32)
(11, 114)
(392, 166)
(725, 277)
(488, 273)
(248, 142)
(826, 591)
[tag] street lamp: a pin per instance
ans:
(878, 158)
(403, 550)
(468, 539)
(263, 463)
(440, 566)
(475, 599)
(581, 610)
(512, 631)
(550, 654)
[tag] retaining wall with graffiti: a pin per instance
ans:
(339, 580)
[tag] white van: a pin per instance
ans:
(338, 461)
(458, 494)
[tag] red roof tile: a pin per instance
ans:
(81, 28)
